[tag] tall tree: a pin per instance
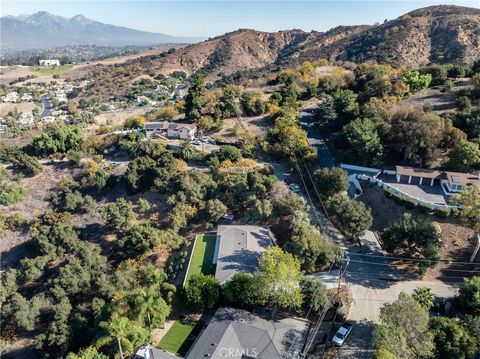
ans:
(353, 216)
(281, 273)
(195, 99)
(330, 181)
(403, 329)
(465, 156)
(469, 295)
(469, 199)
(451, 339)
(366, 145)
(118, 328)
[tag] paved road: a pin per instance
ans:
(47, 106)
(314, 138)
(371, 277)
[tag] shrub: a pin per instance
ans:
(443, 212)
(11, 193)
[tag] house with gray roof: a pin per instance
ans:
(149, 352)
(237, 333)
(238, 249)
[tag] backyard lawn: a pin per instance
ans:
(180, 337)
(202, 256)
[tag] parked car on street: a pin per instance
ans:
(342, 334)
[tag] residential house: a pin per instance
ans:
(149, 352)
(237, 333)
(3, 129)
(11, 97)
(238, 248)
(156, 129)
(182, 131)
(49, 62)
(171, 130)
(451, 182)
(26, 119)
(26, 98)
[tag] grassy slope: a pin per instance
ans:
(50, 71)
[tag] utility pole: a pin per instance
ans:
(313, 332)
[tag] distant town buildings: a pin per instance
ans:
(26, 119)
(26, 98)
(11, 97)
(49, 62)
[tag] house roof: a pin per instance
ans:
(452, 177)
(420, 172)
(156, 125)
(149, 352)
(463, 178)
(179, 126)
(239, 248)
(249, 335)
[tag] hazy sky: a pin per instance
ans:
(210, 18)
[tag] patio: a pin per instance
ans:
(425, 192)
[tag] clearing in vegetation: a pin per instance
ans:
(202, 256)
(180, 337)
(50, 71)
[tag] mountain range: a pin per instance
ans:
(44, 30)
(436, 34)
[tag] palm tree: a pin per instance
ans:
(187, 151)
(154, 307)
(424, 296)
(117, 328)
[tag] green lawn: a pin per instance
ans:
(180, 337)
(202, 256)
(50, 71)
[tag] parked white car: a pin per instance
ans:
(342, 334)
(294, 187)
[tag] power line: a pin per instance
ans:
(411, 259)
(306, 190)
(362, 274)
(388, 264)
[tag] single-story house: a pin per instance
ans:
(451, 182)
(156, 128)
(46, 63)
(182, 131)
(237, 333)
(238, 248)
